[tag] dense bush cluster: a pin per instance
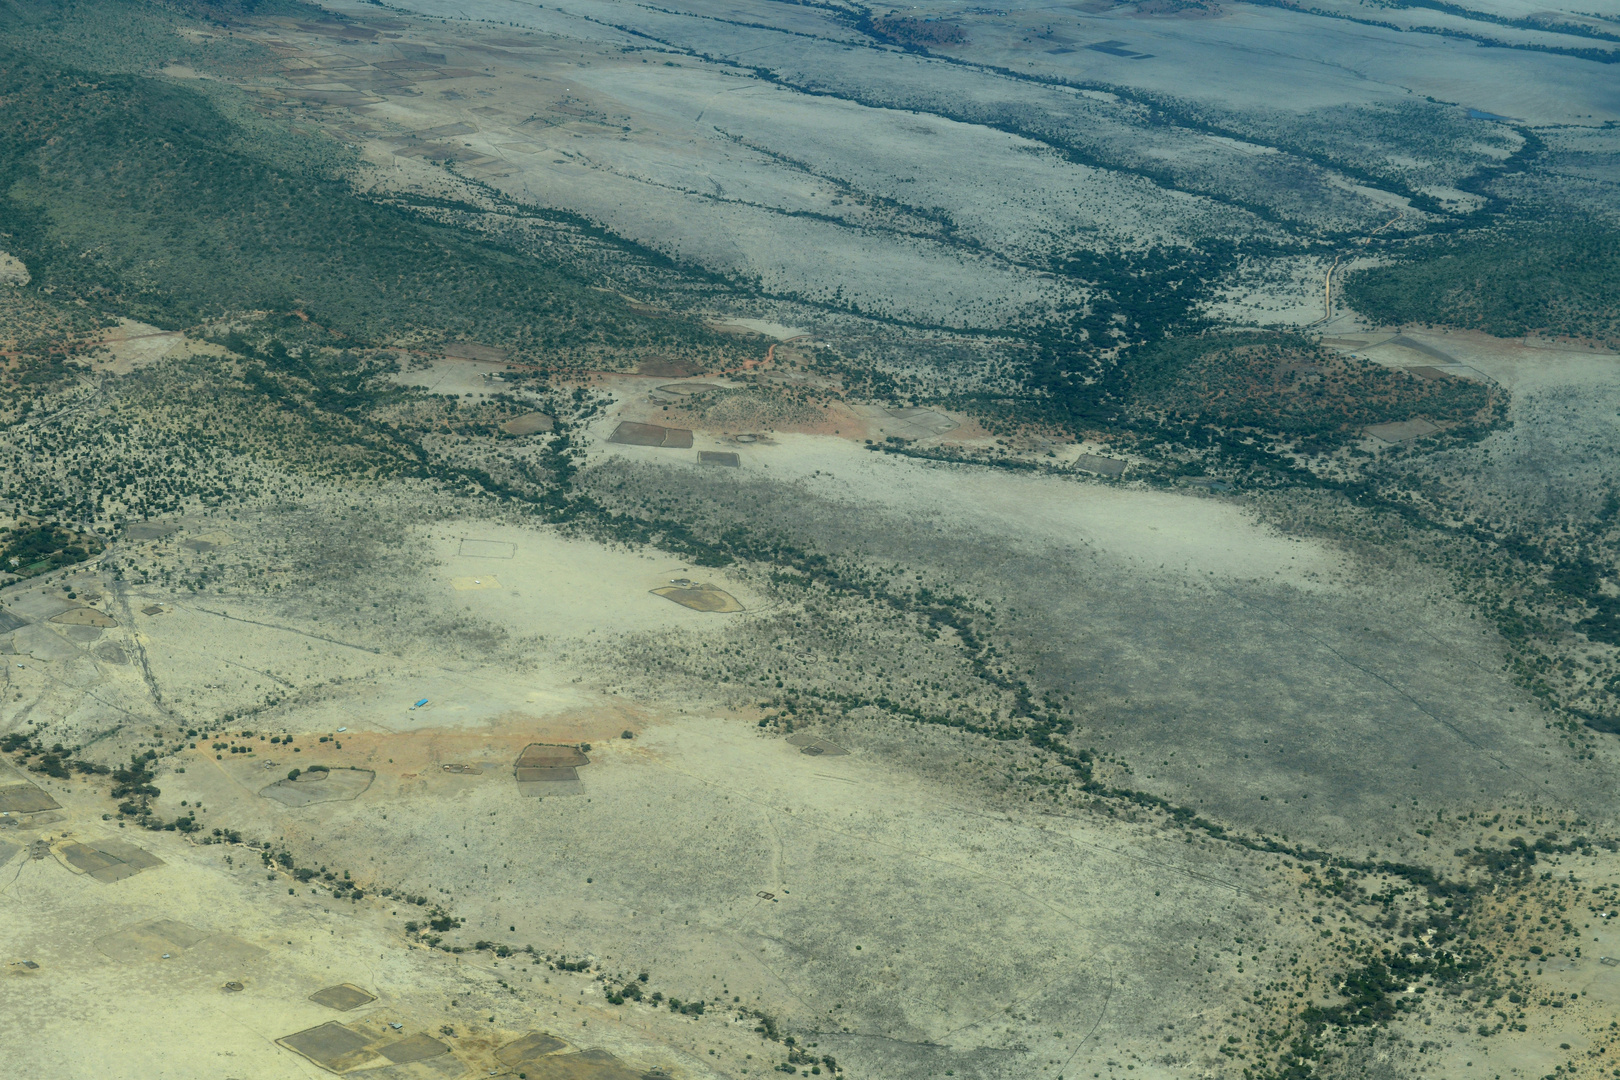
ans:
(1558, 279)
(1285, 384)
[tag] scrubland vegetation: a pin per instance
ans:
(1550, 278)
(129, 196)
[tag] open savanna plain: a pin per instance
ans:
(624, 542)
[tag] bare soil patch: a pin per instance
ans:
(815, 746)
(85, 616)
(473, 584)
(700, 597)
(529, 424)
(688, 389)
(1401, 430)
(320, 785)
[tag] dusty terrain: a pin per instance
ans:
(825, 702)
(928, 909)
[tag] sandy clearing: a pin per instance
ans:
(132, 345)
(1147, 530)
(562, 588)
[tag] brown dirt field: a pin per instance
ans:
(25, 798)
(533, 1045)
(559, 774)
(423, 752)
(550, 756)
(85, 616)
(528, 424)
(585, 1065)
(668, 368)
(700, 598)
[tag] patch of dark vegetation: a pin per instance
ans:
(1285, 384)
(55, 760)
(130, 192)
(1558, 279)
(32, 548)
(1074, 379)
(912, 31)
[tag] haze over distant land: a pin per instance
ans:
(611, 541)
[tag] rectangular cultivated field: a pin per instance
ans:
(719, 457)
(549, 756)
(546, 775)
(418, 1047)
(25, 799)
(486, 549)
(816, 747)
(629, 433)
(585, 1065)
(1100, 465)
(331, 1046)
(109, 860)
(666, 368)
(522, 1051)
(342, 997)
